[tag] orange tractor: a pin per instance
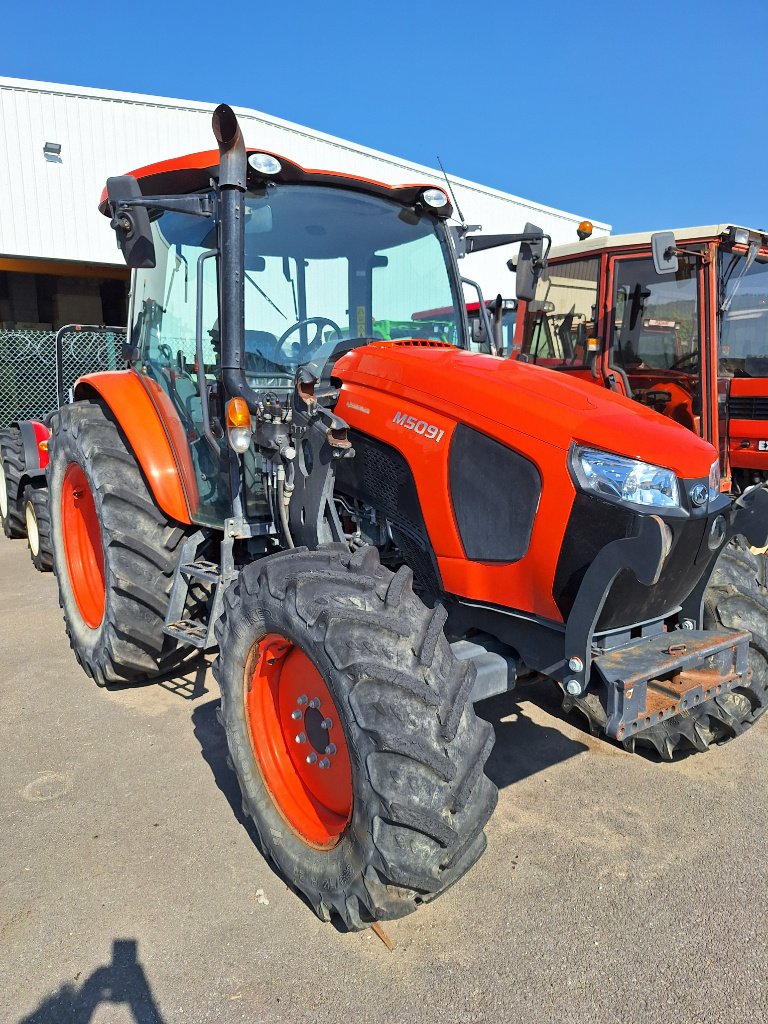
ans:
(375, 532)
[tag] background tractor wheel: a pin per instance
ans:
(359, 756)
(11, 469)
(114, 550)
(37, 519)
(737, 598)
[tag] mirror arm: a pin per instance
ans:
(483, 313)
(197, 205)
(478, 243)
(459, 235)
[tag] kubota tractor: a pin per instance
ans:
(374, 533)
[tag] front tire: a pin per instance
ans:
(114, 550)
(396, 814)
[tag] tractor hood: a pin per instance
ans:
(509, 400)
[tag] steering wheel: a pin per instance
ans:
(690, 358)
(319, 321)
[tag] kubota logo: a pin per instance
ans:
(429, 430)
(698, 494)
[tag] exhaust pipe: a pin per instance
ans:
(233, 171)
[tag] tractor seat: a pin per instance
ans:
(260, 347)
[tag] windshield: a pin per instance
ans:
(744, 326)
(326, 267)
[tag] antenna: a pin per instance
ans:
(450, 189)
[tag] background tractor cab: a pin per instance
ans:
(500, 313)
(677, 321)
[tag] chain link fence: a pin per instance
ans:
(28, 378)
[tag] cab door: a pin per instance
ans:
(657, 337)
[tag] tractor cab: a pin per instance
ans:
(686, 336)
(329, 263)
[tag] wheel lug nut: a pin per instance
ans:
(331, 748)
(301, 737)
(302, 699)
(325, 763)
(326, 723)
(315, 702)
(311, 758)
(296, 715)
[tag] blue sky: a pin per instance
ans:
(645, 114)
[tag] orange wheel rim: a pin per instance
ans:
(298, 741)
(82, 545)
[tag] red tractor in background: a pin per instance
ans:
(375, 531)
(23, 491)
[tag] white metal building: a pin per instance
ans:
(58, 144)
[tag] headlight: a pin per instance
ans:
(617, 478)
(714, 480)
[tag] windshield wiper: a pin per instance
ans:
(725, 305)
(264, 295)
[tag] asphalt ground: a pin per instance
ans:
(612, 889)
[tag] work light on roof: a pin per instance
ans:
(435, 198)
(264, 163)
(740, 236)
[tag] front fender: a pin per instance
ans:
(154, 433)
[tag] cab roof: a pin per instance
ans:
(600, 242)
(193, 173)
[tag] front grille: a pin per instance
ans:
(748, 407)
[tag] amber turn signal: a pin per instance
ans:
(238, 425)
(238, 414)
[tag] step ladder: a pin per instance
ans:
(191, 568)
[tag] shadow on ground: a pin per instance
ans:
(524, 747)
(187, 682)
(123, 982)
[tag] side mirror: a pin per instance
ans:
(663, 246)
(530, 264)
(479, 335)
(131, 223)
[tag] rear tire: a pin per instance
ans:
(11, 471)
(37, 520)
(419, 798)
(127, 548)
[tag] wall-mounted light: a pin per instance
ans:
(52, 149)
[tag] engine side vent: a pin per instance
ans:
(422, 343)
(495, 493)
(748, 407)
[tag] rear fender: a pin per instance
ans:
(154, 433)
(34, 439)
